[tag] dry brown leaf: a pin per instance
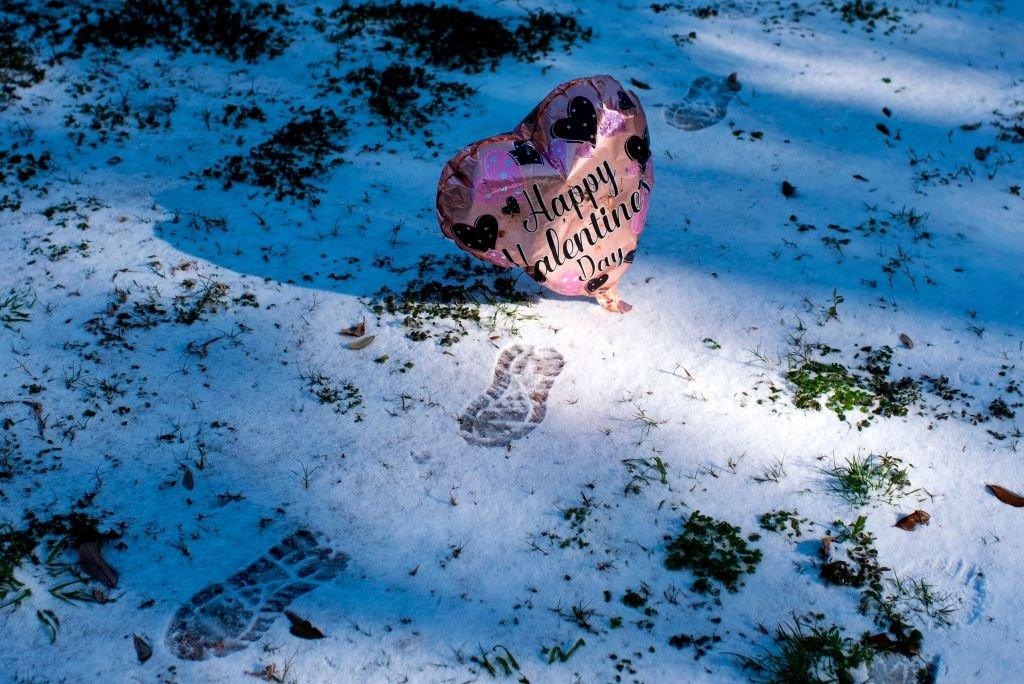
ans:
(91, 560)
(880, 642)
(188, 481)
(907, 342)
(142, 648)
(883, 642)
(357, 330)
(302, 627)
(909, 522)
(363, 343)
(1006, 496)
(267, 674)
(826, 546)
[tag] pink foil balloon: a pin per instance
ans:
(564, 196)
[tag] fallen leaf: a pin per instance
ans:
(886, 111)
(142, 648)
(909, 522)
(859, 177)
(788, 189)
(970, 126)
(880, 641)
(1006, 496)
(188, 481)
(302, 627)
(639, 84)
(733, 83)
(363, 343)
(980, 153)
(267, 674)
(91, 560)
(907, 342)
(826, 547)
(357, 330)
(883, 642)
(882, 128)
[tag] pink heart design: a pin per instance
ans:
(563, 188)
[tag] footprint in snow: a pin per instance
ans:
(228, 616)
(705, 103)
(894, 668)
(516, 401)
(965, 583)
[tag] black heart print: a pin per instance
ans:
(523, 152)
(580, 125)
(511, 207)
(624, 101)
(639, 149)
(480, 237)
(594, 283)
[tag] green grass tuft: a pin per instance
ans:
(872, 478)
(714, 552)
(809, 652)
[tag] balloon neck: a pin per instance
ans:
(612, 301)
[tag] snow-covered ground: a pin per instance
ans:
(179, 375)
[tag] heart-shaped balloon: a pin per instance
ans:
(564, 196)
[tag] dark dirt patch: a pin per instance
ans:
(700, 643)
(866, 14)
(1011, 124)
(22, 166)
(453, 38)
(406, 98)
(447, 293)
(238, 115)
(288, 163)
(115, 119)
(229, 29)
(124, 313)
(18, 68)
(19, 167)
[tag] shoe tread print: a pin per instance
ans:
(516, 400)
(705, 104)
(227, 616)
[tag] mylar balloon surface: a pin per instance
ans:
(564, 196)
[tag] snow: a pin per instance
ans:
(388, 471)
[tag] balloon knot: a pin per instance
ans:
(611, 301)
